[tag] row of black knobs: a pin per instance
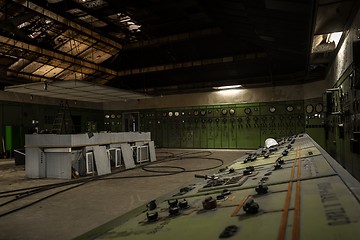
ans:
(249, 207)
(174, 208)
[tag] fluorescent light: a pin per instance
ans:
(227, 87)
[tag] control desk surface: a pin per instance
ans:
(294, 190)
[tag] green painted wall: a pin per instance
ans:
(229, 126)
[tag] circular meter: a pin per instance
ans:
(319, 108)
(309, 108)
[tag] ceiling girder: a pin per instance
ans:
(197, 63)
(67, 22)
(28, 76)
(173, 38)
(56, 55)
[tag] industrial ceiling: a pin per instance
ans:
(159, 47)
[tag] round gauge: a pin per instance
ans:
(309, 108)
(202, 112)
(319, 108)
(107, 116)
(224, 111)
(232, 111)
(247, 110)
(289, 108)
(112, 115)
(176, 114)
(196, 112)
(118, 116)
(272, 109)
(164, 114)
(170, 114)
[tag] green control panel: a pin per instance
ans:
(230, 126)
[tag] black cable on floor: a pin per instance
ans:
(149, 168)
(146, 167)
(172, 158)
(39, 200)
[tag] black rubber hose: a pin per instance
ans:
(24, 192)
(39, 200)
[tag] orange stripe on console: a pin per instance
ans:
(297, 202)
(287, 200)
(237, 209)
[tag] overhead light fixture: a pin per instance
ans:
(228, 87)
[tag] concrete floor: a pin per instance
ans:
(71, 213)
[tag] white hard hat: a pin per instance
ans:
(270, 142)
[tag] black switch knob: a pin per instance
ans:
(285, 152)
(220, 197)
(277, 166)
(251, 207)
(151, 217)
(174, 210)
(226, 192)
(151, 205)
(247, 172)
(280, 160)
(260, 189)
(183, 204)
(251, 168)
(173, 203)
(209, 203)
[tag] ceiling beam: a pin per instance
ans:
(55, 55)
(173, 38)
(197, 63)
(69, 23)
